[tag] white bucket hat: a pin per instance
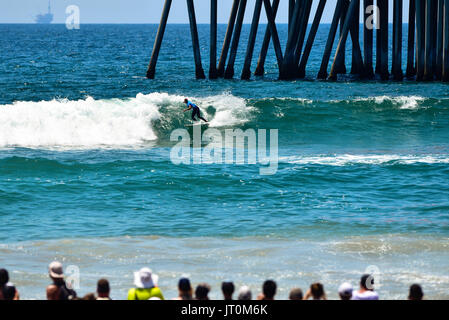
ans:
(145, 279)
(55, 270)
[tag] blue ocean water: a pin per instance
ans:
(85, 170)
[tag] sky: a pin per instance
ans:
(140, 11)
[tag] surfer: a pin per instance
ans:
(195, 111)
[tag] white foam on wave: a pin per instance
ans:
(403, 102)
(106, 123)
(348, 159)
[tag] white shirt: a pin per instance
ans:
(367, 295)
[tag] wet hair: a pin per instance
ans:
(416, 292)
(269, 289)
(367, 282)
(4, 277)
(295, 294)
(202, 291)
(103, 286)
(317, 290)
(227, 288)
(184, 285)
(186, 100)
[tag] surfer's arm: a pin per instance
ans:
(190, 107)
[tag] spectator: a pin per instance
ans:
(296, 294)
(245, 293)
(7, 290)
(345, 291)
(103, 290)
(316, 292)
(227, 288)
(416, 293)
(366, 291)
(184, 290)
(89, 296)
(269, 290)
(146, 286)
(202, 291)
(58, 290)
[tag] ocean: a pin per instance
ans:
(86, 176)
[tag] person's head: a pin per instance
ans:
(202, 291)
(367, 282)
(295, 294)
(184, 288)
(269, 289)
(245, 293)
(4, 277)
(56, 272)
(345, 291)
(227, 288)
(317, 291)
(416, 292)
(145, 279)
(186, 100)
(89, 296)
(103, 288)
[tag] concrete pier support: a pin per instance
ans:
(439, 42)
(322, 74)
(411, 71)
(199, 72)
(429, 63)
(383, 63)
(420, 38)
(368, 37)
(274, 33)
(227, 39)
(260, 69)
(158, 41)
(311, 39)
(344, 36)
(213, 40)
(396, 68)
(246, 73)
(229, 73)
(445, 77)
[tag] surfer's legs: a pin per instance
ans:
(199, 115)
(194, 113)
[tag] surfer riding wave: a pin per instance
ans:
(195, 110)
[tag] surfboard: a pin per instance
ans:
(197, 124)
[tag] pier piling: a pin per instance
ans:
(411, 70)
(158, 41)
(396, 68)
(213, 40)
(260, 69)
(246, 73)
(446, 42)
(368, 37)
(227, 39)
(199, 72)
(229, 73)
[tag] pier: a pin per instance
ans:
(427, 57)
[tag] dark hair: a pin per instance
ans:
(367, 282)
(317, 290)
(202, 291)
(89, 296)
(184, 285)
(103, 286)
(295, 294)
(269, 289)
(4, 277)
(227, 288)
(186, 100)
(416, 292)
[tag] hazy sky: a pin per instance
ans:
(138, 11)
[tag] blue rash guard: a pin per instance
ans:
(195, 111)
